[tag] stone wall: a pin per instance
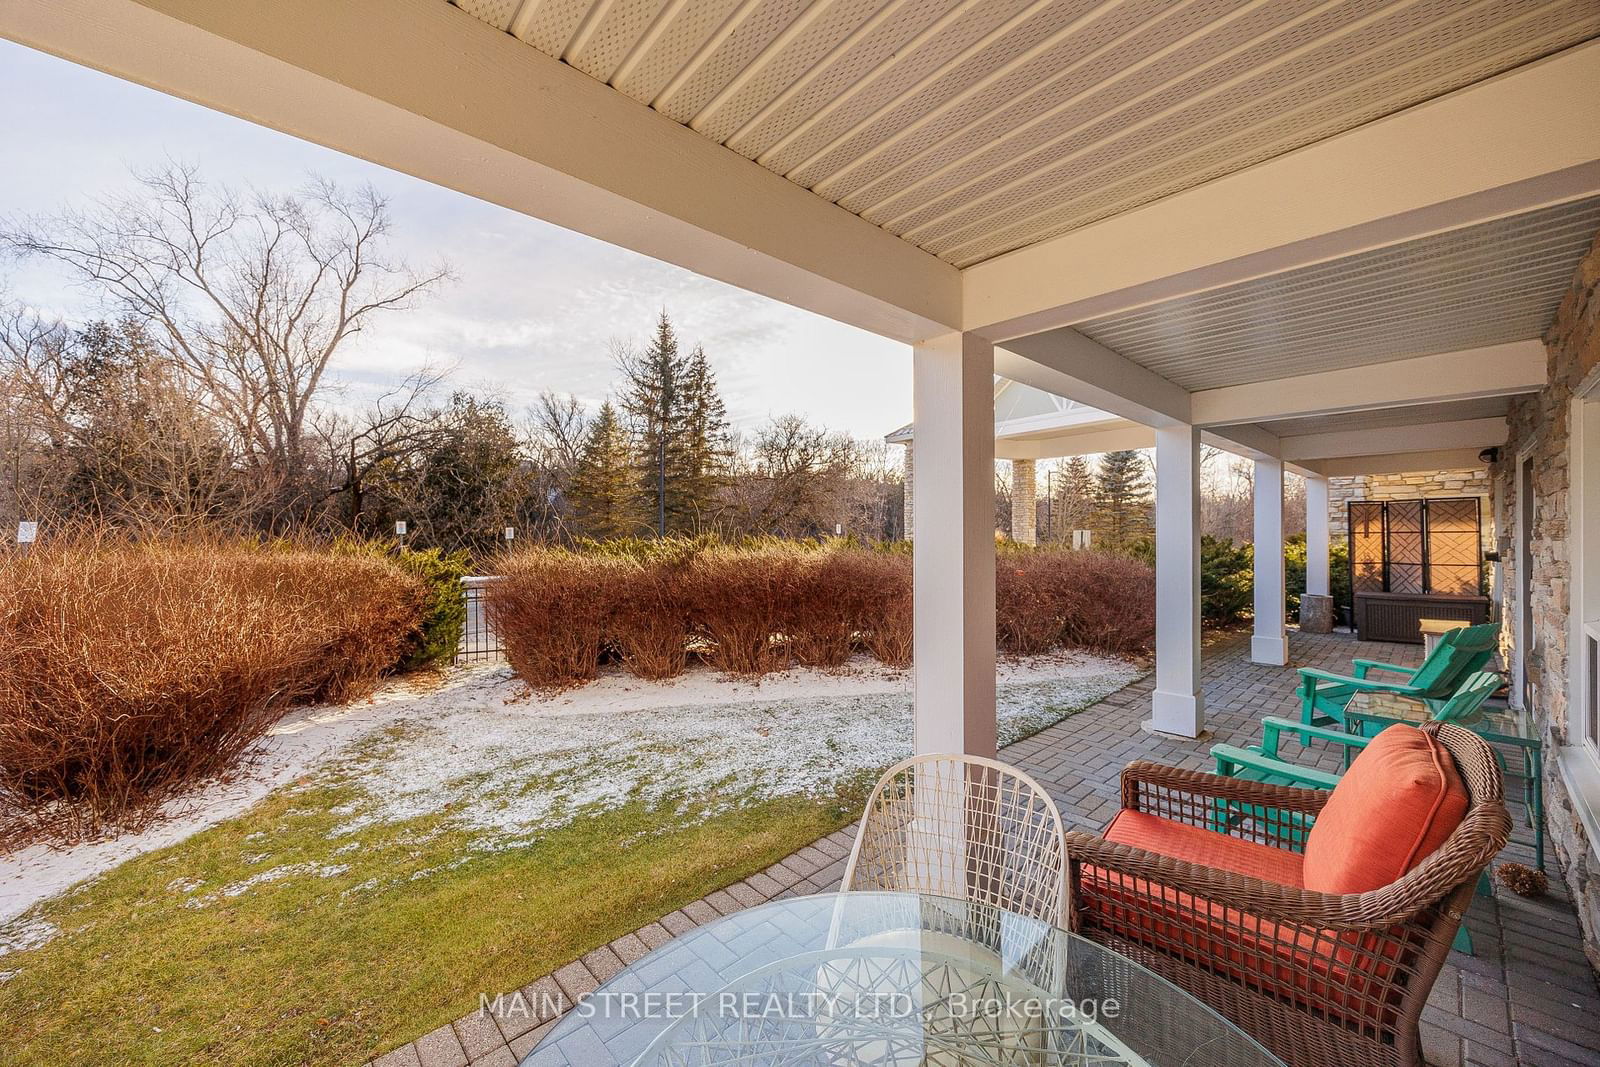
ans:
(1540, 422)
(1470, 481)
(905, 502)
(1024, 502)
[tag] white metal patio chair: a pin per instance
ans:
(963, 827)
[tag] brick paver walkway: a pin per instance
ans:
(1527, 996)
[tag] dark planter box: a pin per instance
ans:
(1398, 616)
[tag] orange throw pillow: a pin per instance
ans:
(1398, 802)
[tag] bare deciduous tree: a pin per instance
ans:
(251, 295)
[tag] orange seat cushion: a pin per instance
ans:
(1192, 844)
(1325, 970)
(1398, 802)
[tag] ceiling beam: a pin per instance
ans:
(1116, 438)
(1475, 434)
(424, 88)
(1252, 442)
(1067, 363)
(1396, 463)
(1470, 374)
(1503, 146)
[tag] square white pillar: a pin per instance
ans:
(1317, 537)
(1177, 706)
(1269, 643)
(953, 563)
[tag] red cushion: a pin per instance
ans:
(1398, 802)
(1192, 844)
(1323, 969)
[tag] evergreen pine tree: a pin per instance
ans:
(1074, 504)
(653, 401)
(703, 445)
(680, 430)
(605, 500)
(1122, 500)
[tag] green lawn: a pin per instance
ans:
(326, 967)
(465, 851)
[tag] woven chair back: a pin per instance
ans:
(963, 827)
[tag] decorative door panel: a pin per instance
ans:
(1416, 547)
(1366, 546)
(1405, 547)
(1454, 562)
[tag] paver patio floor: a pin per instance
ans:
(1527, 996)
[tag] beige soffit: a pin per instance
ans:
(1488, 407)
(1481, 285)
(975, 127)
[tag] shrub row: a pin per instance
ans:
(129, 671)
(745, 610)
(1050, 598)
(765, 606)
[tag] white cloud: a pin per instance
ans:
(534, 306)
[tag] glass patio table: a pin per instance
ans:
(889, 979)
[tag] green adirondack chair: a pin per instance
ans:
(1262, 763)
(1323, 694)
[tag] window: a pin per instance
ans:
(1416, 546)
(1590, 726)
(1578, 755)
(1583, 726)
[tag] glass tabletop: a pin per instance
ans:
(1513, 727)
(891, 979)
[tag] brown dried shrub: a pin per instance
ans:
(740, 599)
(1110, 602)
(1031, 601)
(759, 606)
(131, 671)
(883, 605)
(650, 619)
(551, 610)
(826, 608)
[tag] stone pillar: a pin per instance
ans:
(1316, 605)
(1177, 706)
(1269, 644)
(1024, 502)
(953, 565)
(905, 503)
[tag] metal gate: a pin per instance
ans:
(478, 639)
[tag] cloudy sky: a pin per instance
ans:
(533, 306)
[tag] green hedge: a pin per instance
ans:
(1227, 575)
(1295, 572)
(444, 612)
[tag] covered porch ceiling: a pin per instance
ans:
(972, 128)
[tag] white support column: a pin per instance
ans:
(1317, 578)
(953, 565)
(1177, 706)
(1269, 644)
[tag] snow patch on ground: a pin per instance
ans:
(298, 742)
(508, 769)
(24, 935)
(508, 766)
(276, 874)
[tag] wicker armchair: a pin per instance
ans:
(1317, 978)
(963, 827)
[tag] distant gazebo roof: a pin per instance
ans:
(1030, 423)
